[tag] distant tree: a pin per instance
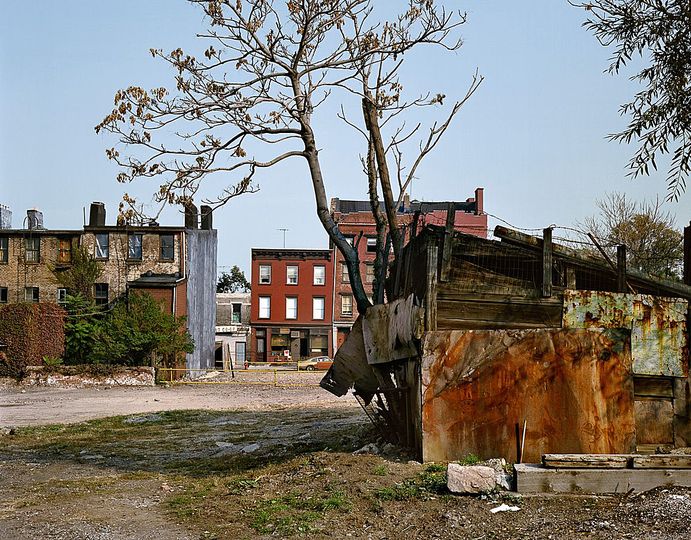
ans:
(235, 281)
(656, 31)
(249, 104)
(80, 276)
(653, 243)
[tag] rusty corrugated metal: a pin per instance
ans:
(657, 325)
(574, 388)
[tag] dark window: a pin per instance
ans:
(167, 247)
(101, 293)
(33, 250)
(3, 295)
(236, 316)
(4, 249)
(64, 250)
(134, 247)
(102, 245)
(31, 294)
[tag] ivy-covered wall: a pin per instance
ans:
(30, 331)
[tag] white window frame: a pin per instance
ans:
(318, 308)
(292, 272)
(369, 273)
(264, 307)
(346, 304)
(264, 274)
(62, 295)
(371, 245)
(319, 278)
(291, 307)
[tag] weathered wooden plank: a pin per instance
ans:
(621, 269)
(662, 461)
(653, 387)
(447, 249)
(586, 461)
(654, 419)
(547, 262)
(537, 479)
(505, 314)
(432, 254)
(480, 324)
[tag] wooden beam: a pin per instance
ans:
(537, 479)
(687, 254)
(621, 269)
(570, 277)
(585, 461)
(448, 243)
(432, 253)
(662, 461)
(547, 262)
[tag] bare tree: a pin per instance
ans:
(658, 32)
(248, 105)
(653, 243)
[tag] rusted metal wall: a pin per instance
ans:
(574, 388)
(657, 324)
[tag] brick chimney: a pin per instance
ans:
(97, 214)
(34, 219)
(479, 201)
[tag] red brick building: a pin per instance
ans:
(292, 304)
(355, 221)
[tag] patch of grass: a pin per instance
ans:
(380, 470)
(430, 482)
(470, 459)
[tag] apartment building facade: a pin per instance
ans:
(176, 265)
(356, 223)
(291, 304)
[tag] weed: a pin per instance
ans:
(380, 470)
(52, 360)
(470, 459)
(430, 482)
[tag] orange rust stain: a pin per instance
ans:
(572, 386)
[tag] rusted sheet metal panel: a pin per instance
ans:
(574, 388)
(654, 419)
(389, 330)
(657, 324)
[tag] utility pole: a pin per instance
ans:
(284, 236)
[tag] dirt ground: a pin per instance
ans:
(226, 462)
(27, 406)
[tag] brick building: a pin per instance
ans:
(355, 221)
(176, 265)
(292, 304)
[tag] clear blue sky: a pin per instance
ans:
(533, 135)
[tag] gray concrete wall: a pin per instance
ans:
(201, 297)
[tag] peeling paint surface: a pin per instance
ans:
(573, 387)
(657, 325)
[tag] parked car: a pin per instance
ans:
(319, 363)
